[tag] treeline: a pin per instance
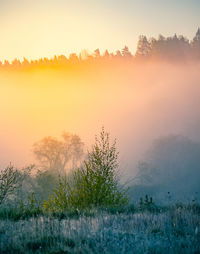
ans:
(174, 48)
(170, 171)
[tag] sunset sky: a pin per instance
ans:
(44, 28)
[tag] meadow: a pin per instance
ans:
(134, 230)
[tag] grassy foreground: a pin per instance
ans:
(174, 230)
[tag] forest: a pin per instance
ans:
(174, 48)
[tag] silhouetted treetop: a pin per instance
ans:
(174, 48)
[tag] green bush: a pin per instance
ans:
(96, 184)
(9, 182)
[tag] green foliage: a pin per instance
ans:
(9, 182)
(16, 214)
(101, 173)
(95, 184)
(46, 243)
(57, 201)
(21, 207)
(30, 207)
(45, 183)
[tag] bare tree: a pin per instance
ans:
(58, 155)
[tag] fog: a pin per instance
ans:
(136, 102)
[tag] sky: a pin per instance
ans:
(44, 28)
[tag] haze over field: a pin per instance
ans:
(136, 102)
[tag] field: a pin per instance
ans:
(173, 230)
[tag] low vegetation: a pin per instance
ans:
(173, 231)
(88, 211)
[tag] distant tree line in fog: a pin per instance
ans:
(175, 48)
(170, 170)
(65, 177)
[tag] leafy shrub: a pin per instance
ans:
(45, 183)
(95, 184)
(9, 182)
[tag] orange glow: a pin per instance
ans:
(137, 102)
